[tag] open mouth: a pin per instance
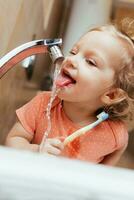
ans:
(65, 79)
(67, 75)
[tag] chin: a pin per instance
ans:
(65, 97)
(68, 94)
(62, 96)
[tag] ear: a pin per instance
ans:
(114, 95)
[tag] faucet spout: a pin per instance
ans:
(51, 46)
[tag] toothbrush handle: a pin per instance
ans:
(80, 132)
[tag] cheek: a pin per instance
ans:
(108, 78)
(96, 82)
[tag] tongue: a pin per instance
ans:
(63, 80)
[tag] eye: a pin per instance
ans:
(91, 62)
(72, 52)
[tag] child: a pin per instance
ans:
(98, 74)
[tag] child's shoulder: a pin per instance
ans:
(120, 132)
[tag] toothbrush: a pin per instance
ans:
(101, 117)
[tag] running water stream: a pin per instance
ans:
(54, 93)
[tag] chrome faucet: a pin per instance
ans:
(51, 46)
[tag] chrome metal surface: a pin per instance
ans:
(55, 53)
(31, 48)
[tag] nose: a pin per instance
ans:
(70, 62)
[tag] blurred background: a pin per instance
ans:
(22, 21)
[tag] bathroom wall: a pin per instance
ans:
(20, 22)
(84, 15)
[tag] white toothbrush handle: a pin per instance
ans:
(80, 132)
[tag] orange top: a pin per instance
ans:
(92, 146)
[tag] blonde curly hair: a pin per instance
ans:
(124, 76)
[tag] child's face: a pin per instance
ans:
(91, 63)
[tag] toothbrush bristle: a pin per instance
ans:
(103, 116)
